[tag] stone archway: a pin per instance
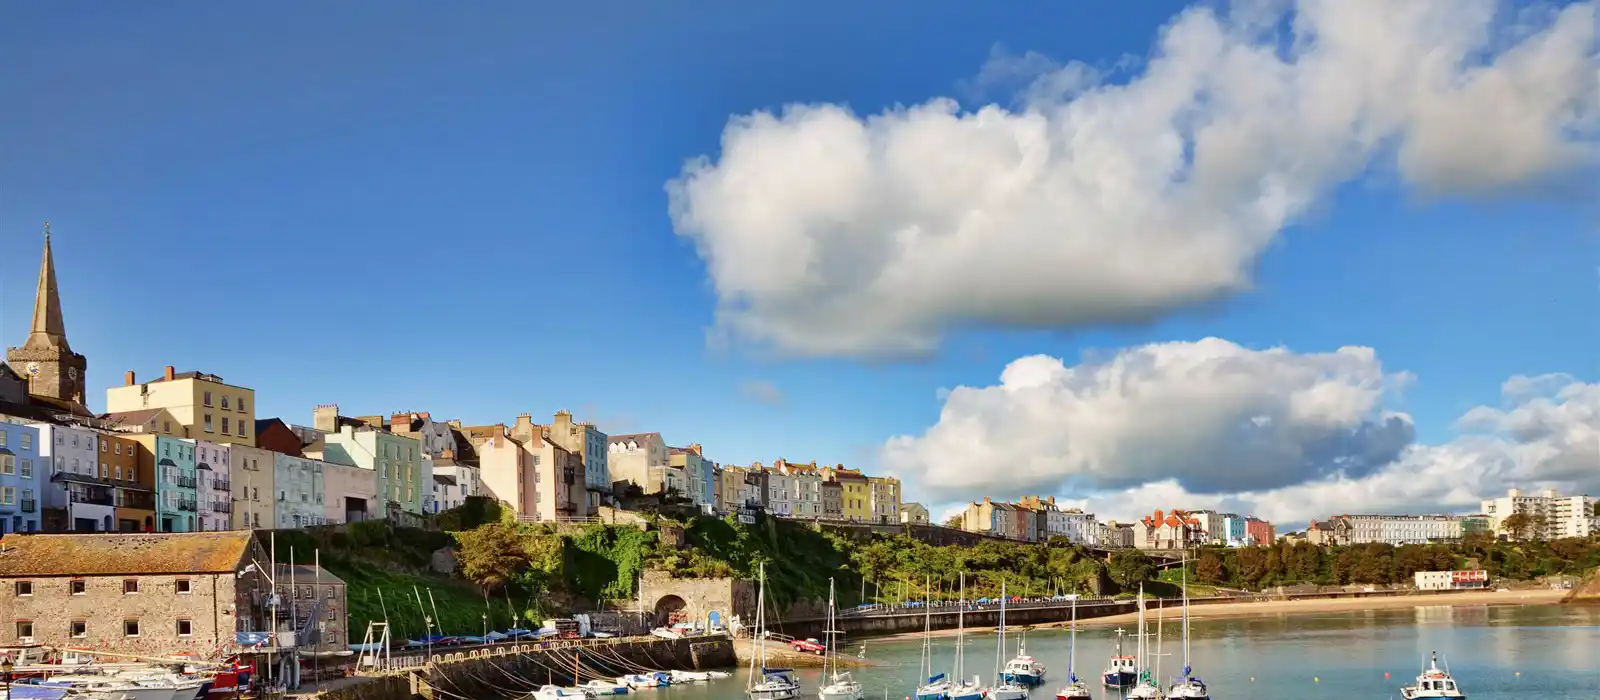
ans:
(670, 610)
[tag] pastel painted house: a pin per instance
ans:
(20, 478)
(177, 494)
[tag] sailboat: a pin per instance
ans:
(1075, 689)
(1434, 683)
(935, 687)
(1007, 689)
(767, 683)
(1123, 671)
(1146, 688)
(1188, 687)
(960, 688)
(840, 686)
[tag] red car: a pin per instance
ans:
(808, 646)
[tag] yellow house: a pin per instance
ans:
(855, 492)
(205, 406)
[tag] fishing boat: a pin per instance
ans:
(1434, 682)
(1123, 671)
(840, 685)
(1146, 688)
(1188, 687)
(1074, 689)
(1008, 689)
(640, 681)
(767, 683)
(1023, 669)
(603, 687)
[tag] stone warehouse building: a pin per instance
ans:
(152, 594)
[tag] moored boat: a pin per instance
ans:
(839, 685)
(603, 687)
(1123, 670)
(1074, 689)
(1188, 687)
(1434, 682)
(767, 683)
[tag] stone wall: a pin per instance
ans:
(697, 599)
(172, 614)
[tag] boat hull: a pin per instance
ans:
(1119, 679)
(840, 691)
(1015, 692)
(1032, 680)
(1413, 694)
(774, 693)
(1074, 693)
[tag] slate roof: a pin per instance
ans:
(114, 554)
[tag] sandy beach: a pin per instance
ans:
(1319, 605)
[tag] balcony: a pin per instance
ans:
(187, 482)
(95, 497)
(221, 485)
(30, 505)
(188, 505)
(222, 506)
(141, 500)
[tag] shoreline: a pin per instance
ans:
(1271, 608)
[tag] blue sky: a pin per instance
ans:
(420, 206)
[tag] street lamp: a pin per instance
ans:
(485, 617)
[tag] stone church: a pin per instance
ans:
(44, 374)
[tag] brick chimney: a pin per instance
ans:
(170, 372)
(129, 380)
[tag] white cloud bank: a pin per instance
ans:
(832, 234)
(1211, 424)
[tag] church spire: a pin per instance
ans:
(48, 327)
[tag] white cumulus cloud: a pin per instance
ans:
(828, 233)
(1211, 415)
(1544, 435)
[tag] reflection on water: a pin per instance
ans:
(1497, 653)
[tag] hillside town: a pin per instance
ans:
(185, 451)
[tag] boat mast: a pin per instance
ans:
(927, 630)
(1160, 618)
(1186, 618)
(1072, 641)
(828, 643)
(758, 643)
(1000, 644)
(1138, 654)
(961, 627)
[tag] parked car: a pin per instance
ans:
(808, 646)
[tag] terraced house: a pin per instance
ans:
(20, 479)
(177, 494)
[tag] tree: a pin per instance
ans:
(1516, 525)
(492, 555)
(955, 522)
(1211, 567)
(1130, 567)
(1539, 524)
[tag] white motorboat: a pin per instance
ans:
(718, 675)
(640, 681)
(839, 684)
(556, 692)
(184, 686)
(603, 687)
(102, 687)
(767, 683)
(1074, 689)
(690, 677)
(1434, 682)
(1187, 687)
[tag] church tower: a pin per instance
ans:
(46, 361)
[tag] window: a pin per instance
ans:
(24, 588)
(27, 469)
(119, 471)
(331, 615)
(24, 629)
(130, 628)
(27, 441)
(105, 445)
(330, 597)
(8, 495)
(133, 473)
(242, 431)
(77, 586)
(79, 628)
(225, 425)
(117, 448)
(130, 585)
(224, 403)
(208, 423)
(181, 585)
(185, 628)
(208, 398)
(8, 464)
(241, 405)
(166, 426)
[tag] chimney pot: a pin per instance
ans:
(130, 380)
(169, 373)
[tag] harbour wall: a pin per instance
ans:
(515, 670)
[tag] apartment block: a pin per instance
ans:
(202, 404)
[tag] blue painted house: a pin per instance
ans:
(177, 495)
(21, 476)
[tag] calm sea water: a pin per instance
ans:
(1496, 653)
